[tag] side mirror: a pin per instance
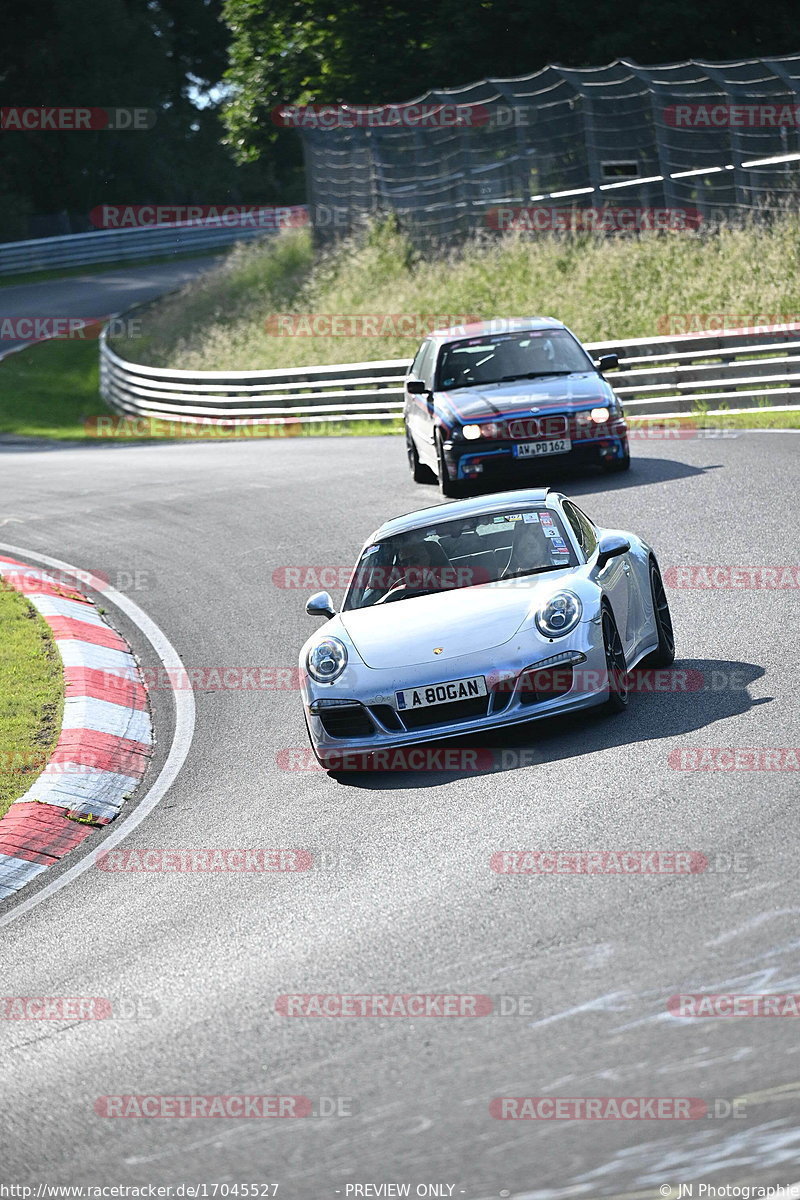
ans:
(611, 546)
(609, 362)
(416, 387)
(321, 605)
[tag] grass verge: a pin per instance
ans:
(31, 695)
(50, 389)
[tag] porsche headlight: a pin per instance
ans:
(326, 661)
(559, 615)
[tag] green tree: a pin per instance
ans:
(157, 54)
(334, 51)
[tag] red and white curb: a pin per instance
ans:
(106, 734)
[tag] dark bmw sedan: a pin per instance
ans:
(488, 400)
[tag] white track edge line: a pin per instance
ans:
(181, 741)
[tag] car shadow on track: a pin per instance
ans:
(643, 471)
(706, 691)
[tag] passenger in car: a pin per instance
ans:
(530, 548)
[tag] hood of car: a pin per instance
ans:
(558, 393)
(463, 621)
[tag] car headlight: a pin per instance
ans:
(471, 432)
(600, 415)
(559, 615)
(326, 661)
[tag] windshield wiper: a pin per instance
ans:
(534, 571)
(532, 375)
(391, 598)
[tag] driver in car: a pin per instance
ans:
(421, 566)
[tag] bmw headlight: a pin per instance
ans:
(326, 661)
(559, 615)
(471, 432)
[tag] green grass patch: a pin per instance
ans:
(31, 695)
(51, 389)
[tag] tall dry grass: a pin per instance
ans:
(603, 288)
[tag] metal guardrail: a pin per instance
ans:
(123, 245)
(667, 377)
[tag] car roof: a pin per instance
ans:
(496, 325)
(462, 508)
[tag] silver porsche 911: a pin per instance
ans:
(482, 613)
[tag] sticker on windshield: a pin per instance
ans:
(559, 544)
(551, 531)
(529, 518)
(545, 518)
(371, 550)
(514, 517)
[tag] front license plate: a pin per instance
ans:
(535, 449)
(441, 693)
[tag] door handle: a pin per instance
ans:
(626, 568)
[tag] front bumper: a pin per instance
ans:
(361, 714)
(485, 458)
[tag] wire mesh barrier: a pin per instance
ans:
(698, 141)
(659, 377)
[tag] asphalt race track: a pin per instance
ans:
(93, 295)
(407, 902)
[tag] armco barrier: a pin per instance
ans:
(666, 376)
(125, 245)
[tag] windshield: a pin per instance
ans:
(509, 356)
(485, 548)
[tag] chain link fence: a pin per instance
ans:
(700, 141)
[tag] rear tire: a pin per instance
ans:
(447, 486)
(618, 681)
(664, 654)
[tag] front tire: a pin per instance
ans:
(618, 464)
(447, 486)
(616, 668)
(419, 473)
(664, 654)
